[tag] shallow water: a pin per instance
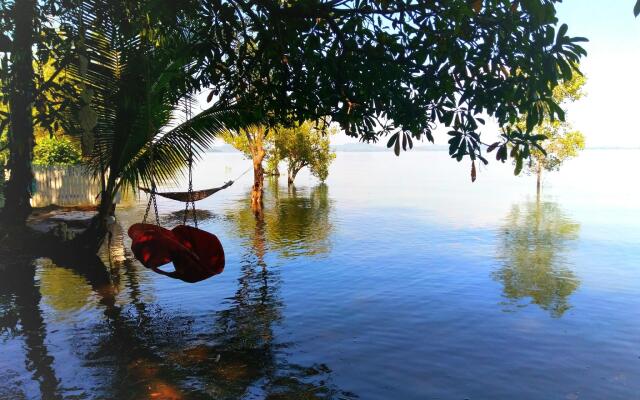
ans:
(398, 278)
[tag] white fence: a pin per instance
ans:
(64, 186)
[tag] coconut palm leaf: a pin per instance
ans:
(132, 87)
(161, 160)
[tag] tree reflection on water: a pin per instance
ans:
(249, 358)
(130, 346)
(534, 249)
(21, 316)
(296, 222)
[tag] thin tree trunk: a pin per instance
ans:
(539, 180)
(18, 189)
(291, 176)
(258, 180)
(293, 172)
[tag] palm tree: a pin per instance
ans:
(132, 79)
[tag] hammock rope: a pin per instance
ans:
(152, 197)
(187, 112)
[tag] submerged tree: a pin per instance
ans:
(252, 141)
(303, 145)
(534, 252)
(562, 141)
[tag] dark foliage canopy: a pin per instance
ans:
(388, 68)
(395, 68)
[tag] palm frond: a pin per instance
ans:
(162, 159)
(136, 91)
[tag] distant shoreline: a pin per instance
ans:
(369, 148)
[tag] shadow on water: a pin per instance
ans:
(129, 346)
(177, 217)
(534, 245)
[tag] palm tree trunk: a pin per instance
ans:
(18, 189)
(92, 239)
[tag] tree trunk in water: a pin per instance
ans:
(539, 180)
(18, 189)
(291, 176)
(293, 172)
(93, 238)
(258, 181)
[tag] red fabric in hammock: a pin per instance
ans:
(208, 249)
(153, 245)
(196, 254)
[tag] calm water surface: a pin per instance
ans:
(398, 278)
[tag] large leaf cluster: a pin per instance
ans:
(396, 68)
(56, 151)
(52, 93)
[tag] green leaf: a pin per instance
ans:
(492, 147)
(562, 31)
(454, 143)
(392, 140)
(396, 148)
(501, 154)
(518, 166)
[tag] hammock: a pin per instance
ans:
(192, 195)
(187, 197)
(196, 254)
